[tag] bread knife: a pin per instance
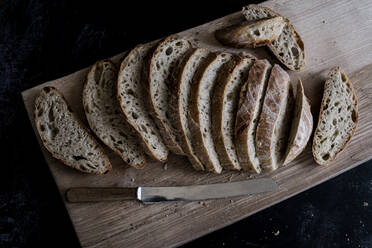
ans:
(174, 193)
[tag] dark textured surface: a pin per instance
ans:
(44, 40)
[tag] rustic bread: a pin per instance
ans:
(271, 130)
(65, 137)
(104, 115)
(200, 121)
(302, 126)
(288, 48)
(253, 34)
(131, 93)
(184, 77)
(225, 101)
(249, 110)
(165, 57)
(338, 117)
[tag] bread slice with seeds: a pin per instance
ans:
(200, 121)
(252, 35)
(338, 117)
(65, 137)
(272, 129)
(185, 76)
(131, 93)
(302, 126)
(250, 105)
(164, 59)
(225, 101)
(288, 47)
(104, 115)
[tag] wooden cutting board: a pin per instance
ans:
(334, 33)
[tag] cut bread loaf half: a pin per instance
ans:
(104, 115)
(184, 77)
(225, 101)
(248, 113)
(131, 94)
(272, 129)
(288, 47)
(338, 117)
(254, 34)
(65, 137)
(164, 59)
(302, 126)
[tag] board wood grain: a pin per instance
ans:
(334, 33)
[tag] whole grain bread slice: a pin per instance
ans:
(338, 117)
(272, 129)
(248, 113)
(289, 47)
(131, 94)
(302, 125)
(184, 77)
(165, 58)
(104, 115)
(200, 120)
(65, 137)
(225, 101)
(254, 34)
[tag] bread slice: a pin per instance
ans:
(184, 77)
(271, 136)
(131, 94)
(104, 115)
(338, 117)
(200, 120)
(248, 113)
(254, 34)
(166, 56)
(65, 137)
(224, 107)
(289, 47)
(302, 126)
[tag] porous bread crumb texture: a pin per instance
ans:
(131, 92)
(268, 29)
(338, 117)
(65, 136)
(104, 115)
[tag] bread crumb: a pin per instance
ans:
(132, 179)
(365, 204)
(165, 167)
(276, 233)
(324, 22)
(203, 204)
(231, 201)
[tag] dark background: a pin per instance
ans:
(44, 40)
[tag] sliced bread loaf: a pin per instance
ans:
(302, 126)
(200, 121)
(253, 34)
(104, 115)
(164, 59)
(288, 47)
(249, 110)
(271, 136)
(180, 99)
(131, 93)
(338, 117)
(65, 137)
(225, 101)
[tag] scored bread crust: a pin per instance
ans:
(160, 152)
(121, 137)
(161, 116)
(264, 12)
(249, 110)
(224, 105)
(277, 93)
(107, 165)
(354, 116)
(251, 35)
(302, 126)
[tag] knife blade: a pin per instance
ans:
(173, 193)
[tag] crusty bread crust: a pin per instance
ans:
(108, 166)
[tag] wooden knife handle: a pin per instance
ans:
(75, 195)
